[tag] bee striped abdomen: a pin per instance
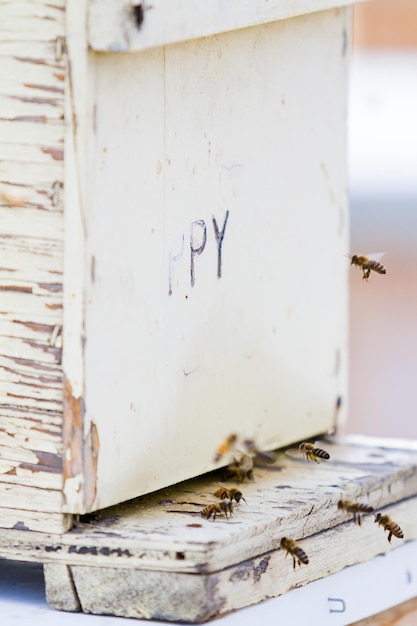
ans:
(367, 264)
(218, 508)
(356, 508)
(321, 454)
(297, 553)
(301, 556)
(377, 267)
(388, 524)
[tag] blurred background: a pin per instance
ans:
(383, 200)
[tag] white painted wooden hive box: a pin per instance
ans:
(173, 236)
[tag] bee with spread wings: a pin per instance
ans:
(368, 263)
(310, 451)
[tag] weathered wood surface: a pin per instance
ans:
(153, 351)
(176, 596)
(157, 557)
(31, 249)
(114, 26)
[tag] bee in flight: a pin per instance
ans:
(259, 456)
(291, 547)
(356, 508)
(225, 447)
(368, 263)
(310, 451)
(224, 507)
(386, 522)
(229, 493)
(241, 468)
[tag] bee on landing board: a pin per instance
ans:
(224, 507)
(356, 508)
(310, 451)
(291, 547)
(386, 522)
(242, 467)
(230, 493)
(259, 456)
(368, 263)
(225, 447)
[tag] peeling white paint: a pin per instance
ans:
(31, 266)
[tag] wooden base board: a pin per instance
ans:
(156, 557)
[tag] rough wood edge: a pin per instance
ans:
(59, 587)
(175, 596)
(81, 440)
(115, 27)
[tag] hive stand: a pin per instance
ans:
(156, 557)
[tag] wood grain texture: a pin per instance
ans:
(165, 531)
(31, 268)
(157, 558)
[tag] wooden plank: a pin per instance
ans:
(59, 587)
(37, 522)
(31, 243)
(113, 24)
(157, 558)
(166, 532)
(32, 133)
(197, 598)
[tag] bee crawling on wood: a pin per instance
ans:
(386, 522)
(224, 507)
(356, 508)
(228, 445)
(368, 263)
(229, 493)
(291, 547)
(310, 451)
(242, 467)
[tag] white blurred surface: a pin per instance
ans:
(383, 190)
(383, 122)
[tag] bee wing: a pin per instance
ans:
(222, 485)
(264, 456)
(294, 452)
(249, 445)
(375, 256)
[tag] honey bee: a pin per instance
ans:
(231, 493)
(224, 507)
(259, 456)
(310, 451)
(227, 446)
(368, 263)
(291, 547)
(386, 522)
(241, 468)
(356, 508)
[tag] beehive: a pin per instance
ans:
(174, 225)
